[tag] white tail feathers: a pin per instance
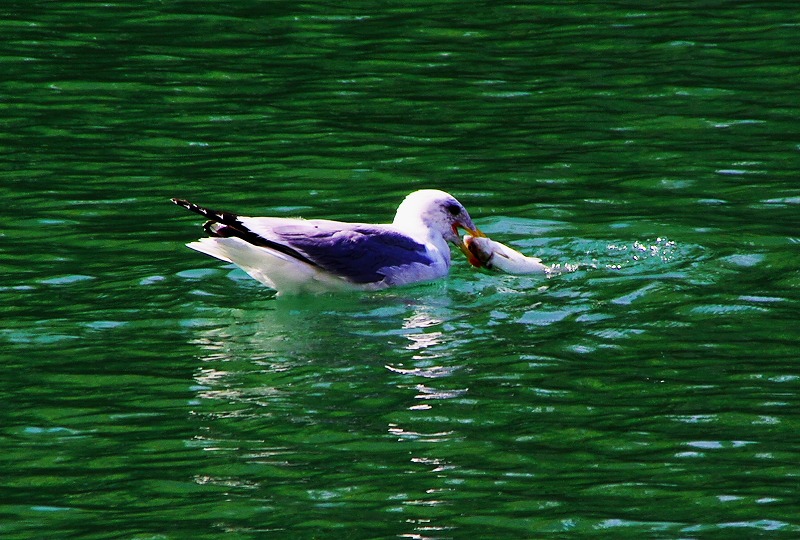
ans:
(272, 268)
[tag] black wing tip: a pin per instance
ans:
(226, 218)
(205, 212)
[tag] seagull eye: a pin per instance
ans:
(454, 209)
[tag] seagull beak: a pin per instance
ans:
(472, 232)
(476, 232)
(464, 245)
(470, 257)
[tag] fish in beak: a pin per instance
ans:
(472, 232)
(483, 252)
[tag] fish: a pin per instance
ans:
(483, 252)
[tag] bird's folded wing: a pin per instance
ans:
(359, 253)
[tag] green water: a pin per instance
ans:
(650, 391)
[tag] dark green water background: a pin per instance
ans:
(652, 391)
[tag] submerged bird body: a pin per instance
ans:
(296, 255)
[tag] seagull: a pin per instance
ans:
(294, 255)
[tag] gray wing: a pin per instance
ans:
(359, 253)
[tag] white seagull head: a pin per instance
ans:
(435, 212)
